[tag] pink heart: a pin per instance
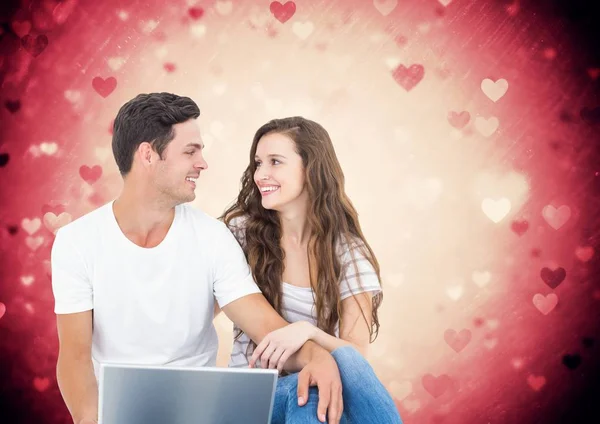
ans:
(459, 119)
(31, 226)
(90, 175)
(2, 309)
(457, 341)
(519, 227)
(34, 242)
(409, 77)
(283, 12)
(54, 222)
(545, 304)
(436, 386)
(104, 86)
(556, 217)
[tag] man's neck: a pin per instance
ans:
(141, 213)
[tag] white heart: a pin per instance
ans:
(72, 96)
(303, 29)
(102, 152)
(486, 127)
(385, 7)
(401, 391)
(494, 90)
(31, 226)
(454, 292)
(496, 210)
(481, 278)
(49, 147)
(115, 63)
(198, 30)
(220, 88)
(148, 26)
(392, 62)
(224, 7)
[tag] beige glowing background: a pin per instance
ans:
(441, 113)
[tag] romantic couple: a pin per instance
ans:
(140, 279)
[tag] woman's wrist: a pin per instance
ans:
(312, 331)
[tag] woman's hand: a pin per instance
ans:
(275, 349)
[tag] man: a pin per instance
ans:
(135, 281)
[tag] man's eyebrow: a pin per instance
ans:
(195, 145)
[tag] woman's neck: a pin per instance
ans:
(295, 227)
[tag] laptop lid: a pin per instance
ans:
(140, 394)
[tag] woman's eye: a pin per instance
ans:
(189, 153)
(257, 164)
(275, 162)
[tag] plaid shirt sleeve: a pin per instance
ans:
(236, 226)
(358, 275)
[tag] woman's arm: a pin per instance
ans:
(354, 330)
(279, 344)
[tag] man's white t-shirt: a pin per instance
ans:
(155, 305)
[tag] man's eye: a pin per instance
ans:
(257, 164)
(189, 153)
(275, 162)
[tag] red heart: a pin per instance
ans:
(196, 12)
(457, 341)
(408, 78)
(519, 227)
(104, 86)
(41, 384)
(459, 120)
(594, 73)
(584, 254)
(90, 175)
(21, 28)
(283, 12)
(56, 209)
(436, 386)
(34, 45)
(2, 309)
(536, 382)
(553, 278)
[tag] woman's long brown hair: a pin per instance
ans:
(331, 217)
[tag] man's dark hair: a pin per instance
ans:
(148, 117)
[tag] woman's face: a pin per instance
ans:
(280, 174)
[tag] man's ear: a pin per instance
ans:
(145, 153)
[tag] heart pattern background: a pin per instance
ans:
(469, 158)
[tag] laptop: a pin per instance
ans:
(143, 394)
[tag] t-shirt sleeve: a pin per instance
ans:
(358, 275)
(71, 284)
(232, 276)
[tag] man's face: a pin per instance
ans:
(175, 176)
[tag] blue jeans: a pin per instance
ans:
(366, 400)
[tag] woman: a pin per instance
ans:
(304, 245)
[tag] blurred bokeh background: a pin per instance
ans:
(468, 133)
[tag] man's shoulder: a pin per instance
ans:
(201, 219)
(82, 226)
